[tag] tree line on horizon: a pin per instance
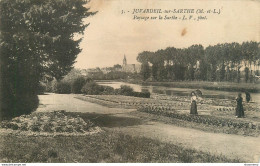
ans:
(221, 62)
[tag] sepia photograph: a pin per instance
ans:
(129, 81)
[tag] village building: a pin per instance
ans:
(90, 72)
(131, 68)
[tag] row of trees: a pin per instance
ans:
(37, 39)
(221, 62)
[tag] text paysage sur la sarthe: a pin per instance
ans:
(171, 14)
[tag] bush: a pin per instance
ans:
(77, 85)
(108, 90)
(63, 88)
(141, 94)
(52, 86)
(126, 90)
(92, 88)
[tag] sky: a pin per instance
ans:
(111, 35)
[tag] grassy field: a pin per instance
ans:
(102, 147)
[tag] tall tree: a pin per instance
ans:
(144, 56)
(37, 38)
(246, 74)
(145, 71)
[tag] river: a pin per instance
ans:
(180, 91)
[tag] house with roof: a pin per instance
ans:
(131, 68)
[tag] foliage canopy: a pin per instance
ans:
(37, 39)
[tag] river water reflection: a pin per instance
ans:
(180, 91)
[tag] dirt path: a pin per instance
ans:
(116, 119)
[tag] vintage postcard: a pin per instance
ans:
(130, 81)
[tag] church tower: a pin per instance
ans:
(124, 61)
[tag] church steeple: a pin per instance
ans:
(124, 61)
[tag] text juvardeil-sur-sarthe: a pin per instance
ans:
(136, 11)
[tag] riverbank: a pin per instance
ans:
(221, 86)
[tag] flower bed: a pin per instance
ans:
(233, 109)
(209, 101)
(205, 119)
(226, 109)
(135, 102)
(50, 122)
(161, 106)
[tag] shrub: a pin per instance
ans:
(63, 88)
(92, 88)
(126, 90)
(77, 85)
(108, 90)
(52, 86)
(141, 94)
